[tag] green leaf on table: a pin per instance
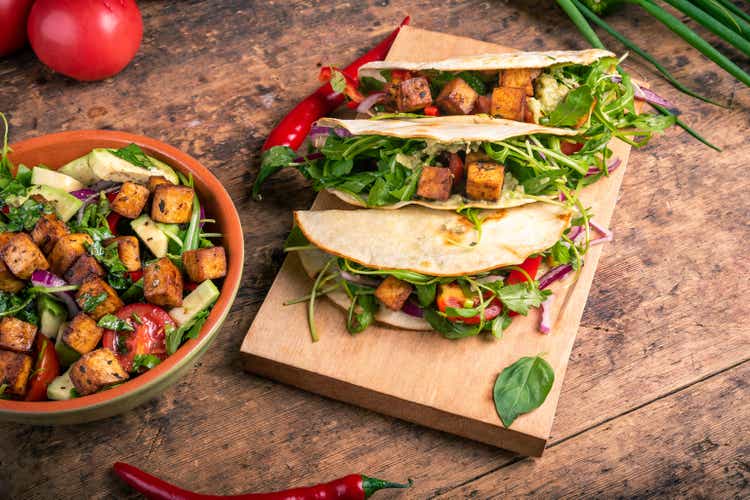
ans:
(522, 387)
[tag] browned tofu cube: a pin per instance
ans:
(83, 267)
(393, 292)
(130, 200)
(483, 106)
(128, 251)
(97, 298)
(47, 231)
(435, 183)
(95, 371)
(16, 335)
(67, 250)
(162, 283)
(508, 103)
(15, 369)
(484, 179)
(172, 204)
(457, 98)
(520, 79)
(156, 180)
(413, 94)
(8, 282)
(205, 263)
(22, 257)
(82, 334)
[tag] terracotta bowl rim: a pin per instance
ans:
(233, 242)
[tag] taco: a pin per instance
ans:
(421, 269)
(445, 163)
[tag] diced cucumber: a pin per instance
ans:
(199, 299)
(166, 171)
(66, 205)
(61, 388)
(107, 166)
(65, 354)
(45, 177)
(151, 235)
(52, 314)
(79, 169)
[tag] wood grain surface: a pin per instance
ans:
(655, 400)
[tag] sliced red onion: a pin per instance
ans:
(102, 185)
(545, 323)
(84, 194)
(412, 309)
(644, 94)
(606, 233)
(310, 157)
(610, 168)
(360, 280)
(369, 101)
(554, 274)
(48, 280)
(575, 232)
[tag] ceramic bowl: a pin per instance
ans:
(54, 151)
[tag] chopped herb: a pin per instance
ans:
(133, 155)
(145, 362)
(136, 318)
(91, 302)
(112, 322)
(190, 330)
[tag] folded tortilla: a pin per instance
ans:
(487, 62)
(430, 242)
(445, 130)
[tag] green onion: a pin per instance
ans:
(685, 127)
(645, 55)
(711, 24)
(311, 305)
(580, 22)
(735, 10)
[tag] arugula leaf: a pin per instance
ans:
(575, 106)
(146, 361)
(91, 302)
(426, 293)
(500, 324)
(190, 330)
(521, 296)
(112, 322)
(273, 160)
(133, 155)
(522, 387)
(362, 309)
(449, 329)
(560, 253)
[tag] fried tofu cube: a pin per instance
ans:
(483, 106)
(95, 371)
(520, 79)
(82, 334)
(67, 250)
(156, 180)
(16, 335)
(130, 200)
(84, 266)
(8, 282)
(162, 283)
(393, 293)
(22, 257)
(413, 94)
(205, 263)
(15, 369)
(128, 251)
(91, 291)
(47, 231)
(435, 183)
(457, 98)
(484, 179)
(172, 204)
(508, 103)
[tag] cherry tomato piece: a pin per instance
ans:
(112, 220)
(451, 295)
(431, 111)
(149, 322)
(456, 166)
(570, 148)
(46, 369)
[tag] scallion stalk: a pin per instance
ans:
(704, 19)
(724, 15)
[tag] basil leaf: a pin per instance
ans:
(271, 162)
(146, 361)
(522, 387)
(575, 106)
(112, 322)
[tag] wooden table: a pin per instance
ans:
(655, 400)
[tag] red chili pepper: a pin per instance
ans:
(294, 127)
(431, 111)
(352, 487)
(531, 266)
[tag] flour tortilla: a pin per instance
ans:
(487, 62)
(446, 130)
(433, 242)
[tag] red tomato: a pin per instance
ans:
(47, 367)
(456, 166)
(85, 39)
(431, 111)
(148, 337)
(135, 275)
(570, 148)
(112, 220)
(451, 295)
(13, 16)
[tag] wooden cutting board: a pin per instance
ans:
(419, 376)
